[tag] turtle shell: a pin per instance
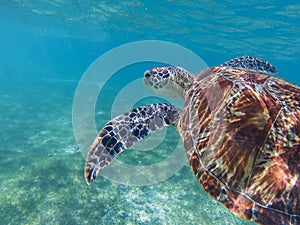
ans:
(241, 132)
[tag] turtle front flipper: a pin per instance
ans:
(126, 130)
(251, 63)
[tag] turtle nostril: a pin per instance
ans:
(147, 74)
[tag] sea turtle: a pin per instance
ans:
(241, 131)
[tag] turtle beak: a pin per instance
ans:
(147, 79)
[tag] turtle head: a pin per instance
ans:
(168, 81)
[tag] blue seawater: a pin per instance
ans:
(47, 46)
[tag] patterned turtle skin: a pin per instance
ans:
(241, 132)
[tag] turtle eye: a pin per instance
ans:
(165, 76)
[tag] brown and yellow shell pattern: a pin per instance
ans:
(241, 131)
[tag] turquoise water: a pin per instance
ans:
(46, 47)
